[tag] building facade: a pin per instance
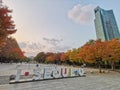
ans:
(105, 24)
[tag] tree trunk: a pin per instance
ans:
(100, 71)
(106, 65)
(113, 66)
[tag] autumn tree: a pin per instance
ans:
(101, 52)
(93, 52)
(50, 57)
(64, 58)
(112, 52)
(12, 51)
(57, 58)
(7, 26)
(86, 54)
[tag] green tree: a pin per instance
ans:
(40, 57)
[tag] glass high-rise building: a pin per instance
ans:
(105, 24)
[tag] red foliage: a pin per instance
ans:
(7, 26)
(17, 52)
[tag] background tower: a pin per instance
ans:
(105, 24)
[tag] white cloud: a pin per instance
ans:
(31, 48)
(81, 13)
(51, 45)
(55, 45)
(52, 41)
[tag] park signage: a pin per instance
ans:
(46, 73)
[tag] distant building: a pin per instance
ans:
(105, 24)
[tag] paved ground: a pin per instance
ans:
(92, 81)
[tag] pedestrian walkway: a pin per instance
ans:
(109, 81)
(92, 81)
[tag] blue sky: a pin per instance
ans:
(56, 25)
